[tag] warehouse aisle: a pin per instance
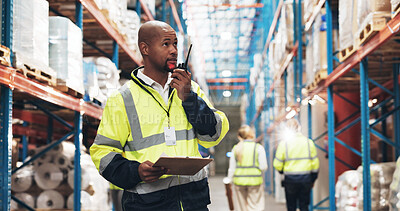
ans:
(219, 202)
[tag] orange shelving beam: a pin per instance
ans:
(392, 27)
(314, 14)
(146, 10)
(375, 42)
(227, 87)
(227, 80)
(176, 16)
(111, 31)
(10, 78)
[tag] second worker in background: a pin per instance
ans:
(246, 166)
(296, 158)
(157, 112)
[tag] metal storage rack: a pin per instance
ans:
(389, 89)
(12, 82)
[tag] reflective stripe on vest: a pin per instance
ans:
(141, 143)
(136, 132)
(302, 164)
(246, 174)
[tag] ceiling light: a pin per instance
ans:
(226, 35)
(226, 73)
(227, 93)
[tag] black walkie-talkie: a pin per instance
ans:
(184, 65)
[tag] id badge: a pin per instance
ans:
(169, 135)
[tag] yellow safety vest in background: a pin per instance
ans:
(297, 159)
(247, 171)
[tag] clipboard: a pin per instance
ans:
(182, 165)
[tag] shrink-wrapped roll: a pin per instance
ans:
(50, 199)
(84, 181)
(62, 161)
(21, 180)
(48, 176)
(24, 197)
(86, 201)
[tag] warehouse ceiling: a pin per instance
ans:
(224, 31)
(225, 36)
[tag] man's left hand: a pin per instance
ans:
(181, 82)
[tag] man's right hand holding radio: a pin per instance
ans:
(181, 82)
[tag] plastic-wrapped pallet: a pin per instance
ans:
(114, 11)
(31, 34)
(90, 82)
(309, 59)
(66, 52)
(381, 177)
(394, 196)
(346, 191)
(108, 77)
(132, 22)
(346, 38)
(150, 4)
(290, 84)
(319, 45)
(367, 10)
(287, 20)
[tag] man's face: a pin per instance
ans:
(163, 49)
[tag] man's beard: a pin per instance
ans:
(166, 68)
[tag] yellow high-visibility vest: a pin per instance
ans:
(296, 157)
(247, 171)
(133, 123)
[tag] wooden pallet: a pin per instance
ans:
(62, 87)
(346, 53)
(5, 56)
(320, 76)
(377, 23)
(37, 74)
(395, 10)
(34, 69)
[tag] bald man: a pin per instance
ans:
(161, 110)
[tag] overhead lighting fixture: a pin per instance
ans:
(227, 93)
(226, 73)
(226, 35)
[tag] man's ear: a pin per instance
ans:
(144, 48)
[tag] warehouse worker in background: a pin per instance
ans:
(296, 158)
(157, 112)
(247, 163)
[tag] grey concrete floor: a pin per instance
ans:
(219, 202)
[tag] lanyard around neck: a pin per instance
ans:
(169, 102)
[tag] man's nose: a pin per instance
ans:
(174, 50)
